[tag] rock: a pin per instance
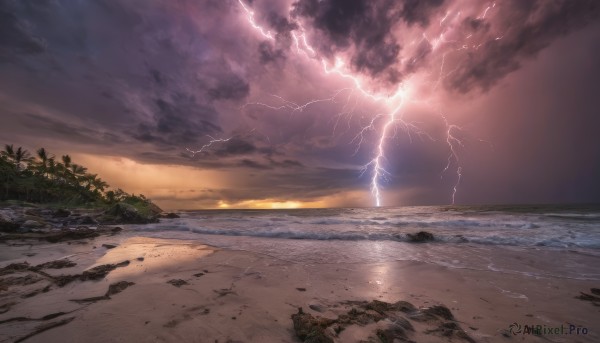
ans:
(118, 287)
(68, 235)
(379, 306)
(404, 306)
(96, 273)
(224, 291)
(433, 313)
(588, 297)
(317, 307)
(311, 329)
(391, 318)
(58, 264)
(450, 330)
(36, 212)
(128, 214)
(392, 334)
(177, 282)
(198, 274)
(8, 221)
(440, 311)
(109, 246)
(116, 230)
(113, 289)
(420, 237)
(36, 292)
(358, 316)
(14, 268)
(301, 289)
(32, 224)
(19, 281)
(86, 220)
(61, 213)
(140, 258)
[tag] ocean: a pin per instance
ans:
(536, 241)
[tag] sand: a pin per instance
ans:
(183, 291)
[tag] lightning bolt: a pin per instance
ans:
(210, 143)
(452, 142)
(377, 162)
(394, 102)
(294, 107)
(250, 16)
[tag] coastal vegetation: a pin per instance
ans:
(43, 178)
(43, 191)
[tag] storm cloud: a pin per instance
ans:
(289, 100)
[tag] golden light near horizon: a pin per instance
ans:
(271, 204)
(175, 187)
(170, 186)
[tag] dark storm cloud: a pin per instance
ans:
(419, 11)
(527, 28)
(287, 164)
(365, 25)
(17, 34)
(268, 53)
(147, 80)
(365, 30)
(158, 77)
(282, 25)
(59, 129)
(229, 87)
(177, 120)
(253, 164)
(236, 146)
(143, 70)
(271, 164)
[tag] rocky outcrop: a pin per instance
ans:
(420, 237)
(8, 221)
(394, 322)
(123, 213)
(30, 218)
(61, 213)
(311, 329)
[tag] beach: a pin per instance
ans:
(160, 289)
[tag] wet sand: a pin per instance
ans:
(182, 291)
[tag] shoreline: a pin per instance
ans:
(184, 290)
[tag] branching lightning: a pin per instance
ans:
(452, 142)
(294, 107)
(250, 16)
(210, 143)
(393, 118)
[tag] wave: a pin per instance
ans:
(558, 241)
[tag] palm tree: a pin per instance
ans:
(67, 174)
(99, 185)
(78, 173)
(43, 164)
(52, 168)
(9, 151)
(89, 180)
(21, 155)
(7, 169)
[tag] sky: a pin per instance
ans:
(306, 103)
